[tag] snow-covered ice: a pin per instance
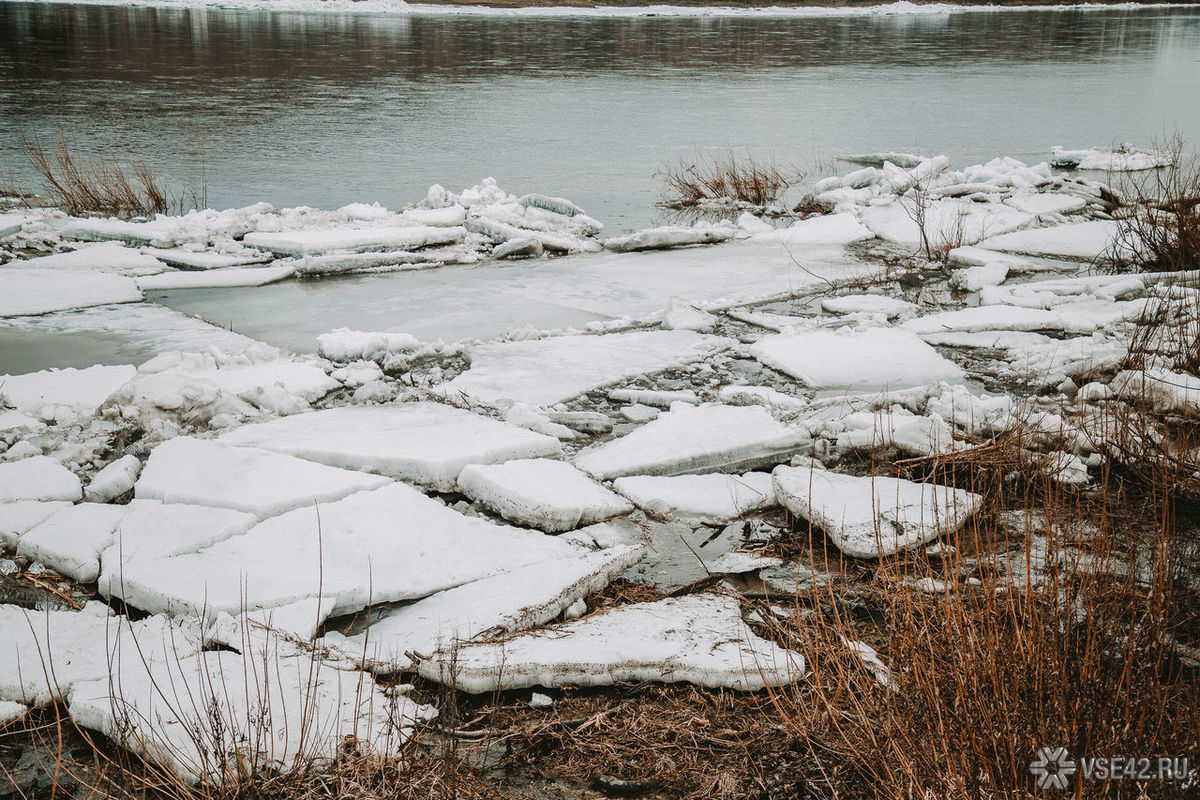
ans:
(868, 304)
(1085, 241)
(263, 483)
(828, 229)
(70, 542)
(872, 516)
(426, 443)
(39, 291)
(215, 278)
(10, 711)
(315, 242)
(947, 222)
(540, 493)
(863, 359)
(706, 499)
(38, 478)
(698, 638)
(19, 516)
(83, 389)
(506, 603)
(671, 236)
(551, 370)
(106, 257)
(695, 439)
(378, 546)
(344, 344)
(1122, 158)
(114, 480)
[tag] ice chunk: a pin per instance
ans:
(736, 563)
(184, 258)
(1046, 203)
(39, 291)
(343, 344)
(828, 229)
(556, 204)
(671, 236)
(315, 242)
(215, 278)
(705, 499)
(918, 436)
(1162, 390)
(695, 439)
(903, 160)
(426, 443)
(447, 217)
(44, 655)
(697, 639)
(1085, 241)
(18, 517)
(506, 603)
(549, 495)
(527, 247)
(948, 222)
(986, 318)
(38, 478)
(16, 421)
(871, 516)
(70, 542)
(761, 396)
(210, 473)
(683, 316)
(114, 480)
(152, 530)
(1123, 158)
(109, 257)
(11, 224)
(551, 370)
(270, 704)
(868, 304)
(653, 397)
(380, 546)
(972, 279)
(870, 358)
(83, 389)
(10, 712)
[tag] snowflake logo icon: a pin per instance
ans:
(1053, 767)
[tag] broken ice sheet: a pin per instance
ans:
(698, 639)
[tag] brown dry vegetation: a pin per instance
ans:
(1159, 222)
(745, 179)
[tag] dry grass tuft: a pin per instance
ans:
(1159, 223)
(724, 178)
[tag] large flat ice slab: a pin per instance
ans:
(71, 541)
(864, 359)
(709, 499)
(271, 704)
(1084, 240)
(947, 222)
(23, 515)
(549, 495)
(109, 257)
(872, 516)
(548, 371)
(40, 291)
(426, 443)
(215, 278)
(263, 483)
(38, 478)
(315, 242)
(84, 389)
(380, 546)
(507, 603)
(690, 439)
(697, 639)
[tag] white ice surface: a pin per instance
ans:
(18, 517)
(38, 478)
(114, 480)
(1082, 240)
(70, 542)
(1046, 203)
(344, 344)
(204, 259)
(1123, 158)
(867, 304)
(313, 242)
(552, 496)
(506, 603)
(426, 443)
(869, 517)
(260, 482)
(214, 278)
(698, 638)
(947, 222)
(695, 439)
(10, 711)
(985, 318)
(83, 389)
(39, 291)
(11, 224)
(827, 229)
(269, 704)
(110, 257)
(870, 358)
(708, 499)
(381, 546)
(670, 236)
(551, 370)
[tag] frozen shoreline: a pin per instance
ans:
(399, 7)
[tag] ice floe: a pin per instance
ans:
(106, 257)
(1122, 158)
(706, 499)
(694, 439)
(699, 639)
(82, 389)
(869, 517)
(70, 542)
(38, 478)
(426, 443)
(38, 291)
(549, 495)
(115, 479)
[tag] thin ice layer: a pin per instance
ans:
(870, 358)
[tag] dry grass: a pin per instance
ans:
(724, 178)
(92, 184)
(1159, 222)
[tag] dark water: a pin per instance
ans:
(324, 109)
